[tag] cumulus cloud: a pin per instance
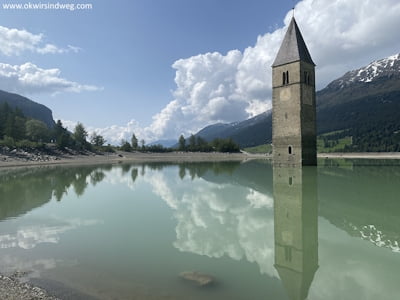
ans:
(113, 134)
(213, 87)
(205, 93)
(14, 42)
(345, 35)
(216, 87)
(30, 79)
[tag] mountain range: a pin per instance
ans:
(363, 104)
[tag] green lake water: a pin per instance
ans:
(261, 232)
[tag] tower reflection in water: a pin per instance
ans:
(296, 228)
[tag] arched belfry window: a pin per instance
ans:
(307, 78)
(285, 78)
(290, 149)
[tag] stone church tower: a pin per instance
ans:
(293, 102)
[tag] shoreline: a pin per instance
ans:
(130, 157)
(140, 157)
(361, 155)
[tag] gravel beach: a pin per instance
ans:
(21, 158)
(12, 289)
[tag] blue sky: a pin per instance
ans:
(160, 68)
(128, 48)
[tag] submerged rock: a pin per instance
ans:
(198, 278)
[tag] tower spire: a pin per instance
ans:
(293, 47)
(294, 6)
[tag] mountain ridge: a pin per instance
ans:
(245, 133)
(28, 107)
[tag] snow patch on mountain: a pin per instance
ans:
(388, 66)
(377, 68)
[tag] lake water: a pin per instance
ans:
(129, 231)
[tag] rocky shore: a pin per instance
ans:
(11, 288)
(20, 157)
(26, 156)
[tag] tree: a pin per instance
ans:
(14, 123)
(125, 146)
(80, 135)
(15, 127)
(182, 143)
(36, 130)
(225, 145)
(192, 143)
(19, 123)
(134, 141)
(58, 129)
(97, 140)
(61, 135)
(202, 145)
(4, 112)
(142, 142)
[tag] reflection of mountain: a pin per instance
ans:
(363, 201)
(19, 192)
(360, 199)
(296, 228)
(25, 189)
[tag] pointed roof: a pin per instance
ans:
(297, 284)
(293, 47)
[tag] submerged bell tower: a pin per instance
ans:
(293, 102)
